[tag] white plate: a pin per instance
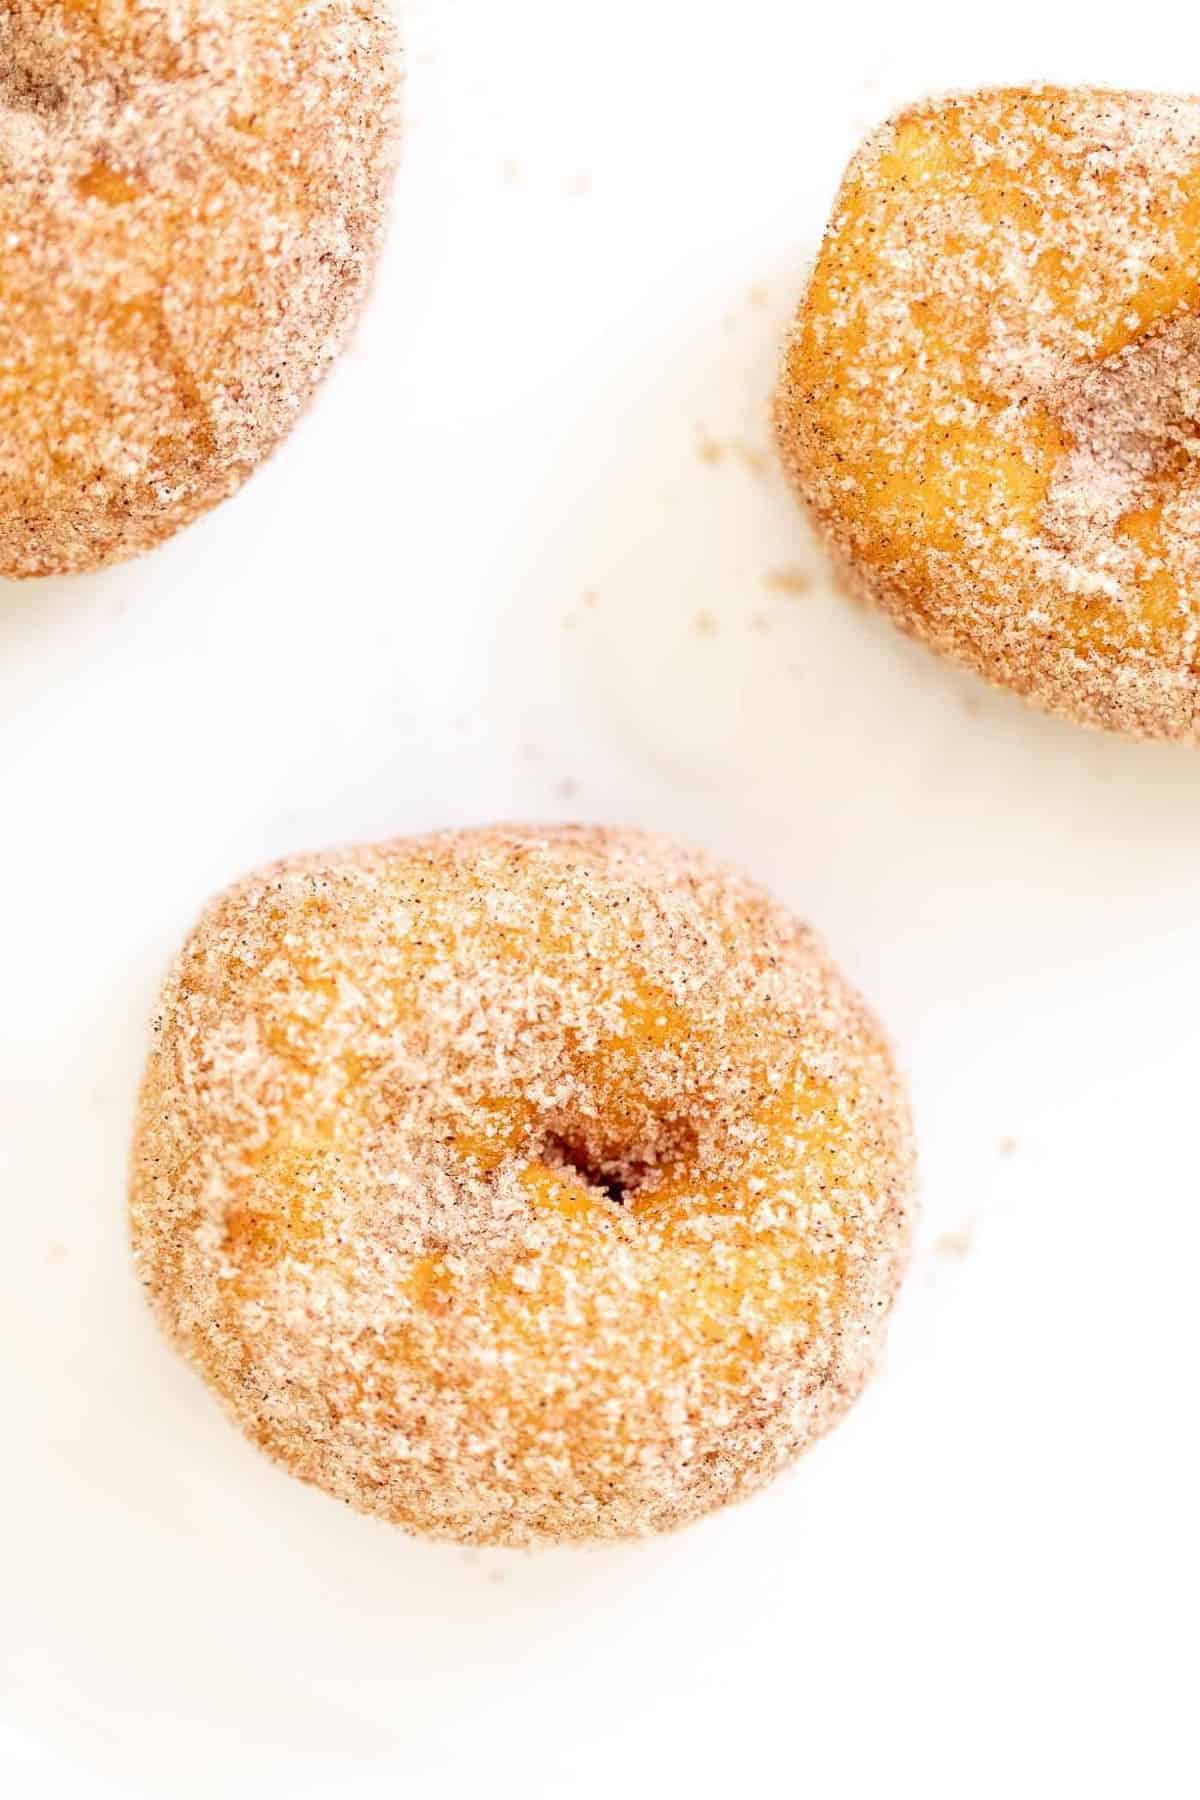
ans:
(985, 1577)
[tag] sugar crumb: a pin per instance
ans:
(792, 580)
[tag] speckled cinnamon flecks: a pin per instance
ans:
(520, 1185)
(991, 397)
(192, 194)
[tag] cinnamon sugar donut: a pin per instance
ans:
(520, 1185)
(191, 199)
(990, 398)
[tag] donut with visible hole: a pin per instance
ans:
(521, 1185)
(991, 396)
(192, 195)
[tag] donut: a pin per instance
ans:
(520, 1186)
(990, 394)
(192, 194)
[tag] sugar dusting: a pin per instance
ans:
(1127, 419)
(520, 1185)
(192, 195)
(991, 396)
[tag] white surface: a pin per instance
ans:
(985, 1581)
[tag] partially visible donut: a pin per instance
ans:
(192, 195)
(991, 396)
(520, 1185)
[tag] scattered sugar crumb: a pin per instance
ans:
(568, 788)
(794, 581)
(954, 1243)
(1007, 1146)
(56, 1252)
(704, 624)
(714, 450)
(749, 455)
(579, 186)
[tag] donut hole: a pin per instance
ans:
(1134, 416)
(620, 1172)
(615, 1180)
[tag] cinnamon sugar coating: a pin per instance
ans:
(192, 194)
(991, 394)
(520, 1185)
